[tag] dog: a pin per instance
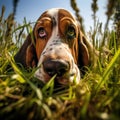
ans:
(57, 46)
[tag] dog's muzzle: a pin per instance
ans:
(58, 67)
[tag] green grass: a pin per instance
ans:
(96, 97)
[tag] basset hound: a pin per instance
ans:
(57, 47)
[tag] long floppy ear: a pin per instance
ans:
(26, 56)
(87, 55)
(83, 53)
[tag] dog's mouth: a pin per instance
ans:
(61, 77)
(64, 80)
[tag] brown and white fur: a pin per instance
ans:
(58, 47)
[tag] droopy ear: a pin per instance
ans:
(87, 55)
(26, 56)
(83, 54)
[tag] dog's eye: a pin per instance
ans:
(71, 32)
(42, 33)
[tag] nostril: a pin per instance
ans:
(52, 67)
(61, 71)
(49, 68)
(50, 72)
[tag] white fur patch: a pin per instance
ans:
(58, 49)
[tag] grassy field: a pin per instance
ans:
(96, 97)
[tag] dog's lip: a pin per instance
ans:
(65, 79)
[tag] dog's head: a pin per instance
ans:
(57, 47)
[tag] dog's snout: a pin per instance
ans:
(59, 67)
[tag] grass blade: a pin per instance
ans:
(50, 86)
(107, 71)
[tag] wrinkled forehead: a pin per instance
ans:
(56, 14)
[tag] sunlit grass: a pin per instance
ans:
(22, 96)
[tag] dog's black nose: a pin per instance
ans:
(59, 67)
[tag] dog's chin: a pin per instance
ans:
(65, 80)
(60, 80)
